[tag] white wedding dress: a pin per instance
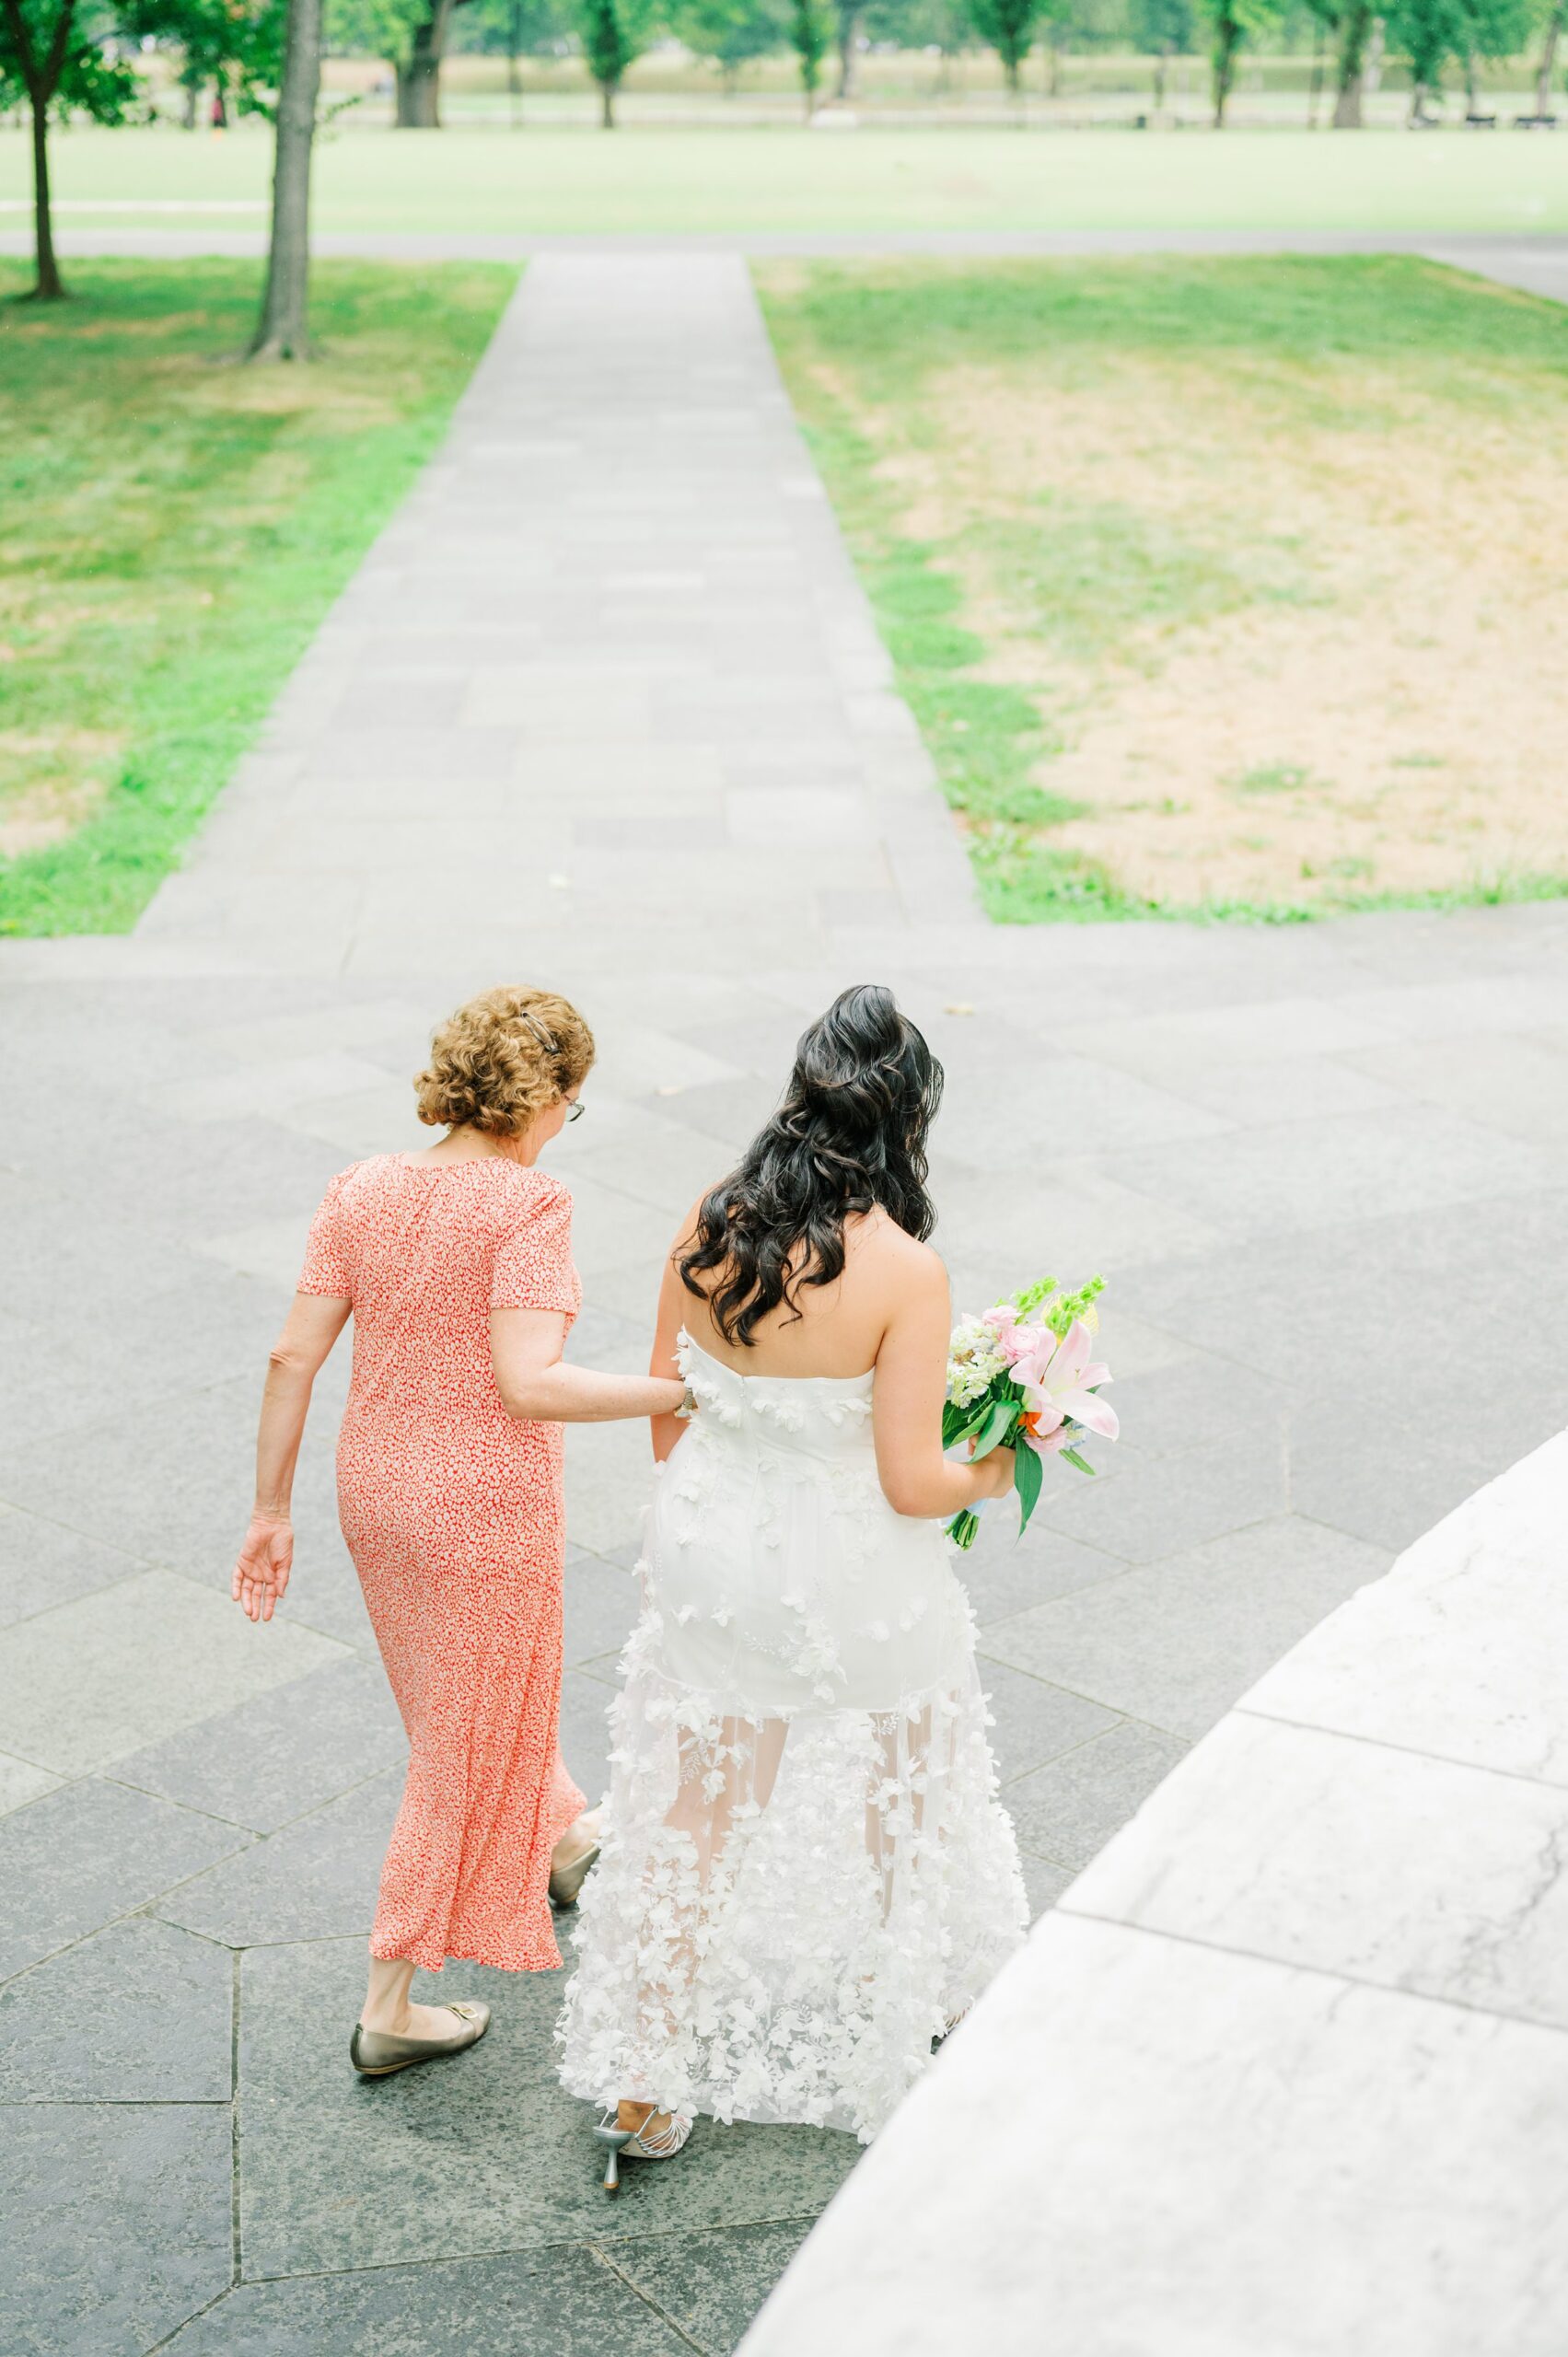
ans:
(806, 1875)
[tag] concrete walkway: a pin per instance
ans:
(592, 692)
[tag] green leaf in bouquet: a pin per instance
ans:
(964, 1529)
(963, 1423)
(1001, 1419)
(1027, 1475)
(1071, 1457)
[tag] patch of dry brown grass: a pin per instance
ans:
(1294, 611)
(1415, 692)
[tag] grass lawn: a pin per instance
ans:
(542, 181)
(172, 529)
(1218, 588)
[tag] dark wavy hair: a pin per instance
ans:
(849, 1135)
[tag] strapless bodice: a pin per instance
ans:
(826, 1416)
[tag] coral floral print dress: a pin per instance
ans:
(453, 1512)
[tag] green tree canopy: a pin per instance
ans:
(1432, 33)
(614, 34)
(808, 38)
(1161, 28)
(730, 32)
(237, 43)
(1009, 27)
(515, 28)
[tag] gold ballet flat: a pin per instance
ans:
(376, 2053)
(567, 1882)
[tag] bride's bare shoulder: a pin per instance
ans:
(882, 1248)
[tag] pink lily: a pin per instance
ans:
(1060, 1381)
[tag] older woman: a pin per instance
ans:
(455, 1266)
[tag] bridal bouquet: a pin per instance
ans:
(1020, 1377)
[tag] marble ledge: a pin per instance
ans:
(1287, 2069)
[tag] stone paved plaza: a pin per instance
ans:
(605, 707)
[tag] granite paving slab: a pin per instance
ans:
(1034, 1721)
(314, 1880)
(115, 2222)
(281, 1754)
(1003, 1575)
(88, 1852)
(22, 1781)
(1177, 1642)
(90, 1681)
(710, 2284)
(1144, 1508)
(601, 1607)
(1068, 1810)
(44, 1563)
(547, 2303)
(139, 2012)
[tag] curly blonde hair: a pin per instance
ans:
(503, 1059)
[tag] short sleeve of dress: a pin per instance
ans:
(326, 1266)
(533, 1265)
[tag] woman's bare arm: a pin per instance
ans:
(906, 1414)
(536, 1383)
(296, 1358)
(672, 1300)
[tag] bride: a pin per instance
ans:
(806, 1875)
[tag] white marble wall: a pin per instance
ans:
(1285, 2074)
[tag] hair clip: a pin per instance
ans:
(551, 1047)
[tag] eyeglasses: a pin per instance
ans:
(574, 1112)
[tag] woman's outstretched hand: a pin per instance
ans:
(265, 1562)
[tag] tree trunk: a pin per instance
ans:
(1548, 58)
(1162, 67)
(849, 28)
(513, 77)
(1357, 25)
(1315, 87)
(1472, 93)
(283, 329)
(606, 106)
(187, 115)
(419, 74)
(1227, 40)
(49, 287)
(41, 77)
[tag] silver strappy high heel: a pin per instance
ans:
(637, 2144)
